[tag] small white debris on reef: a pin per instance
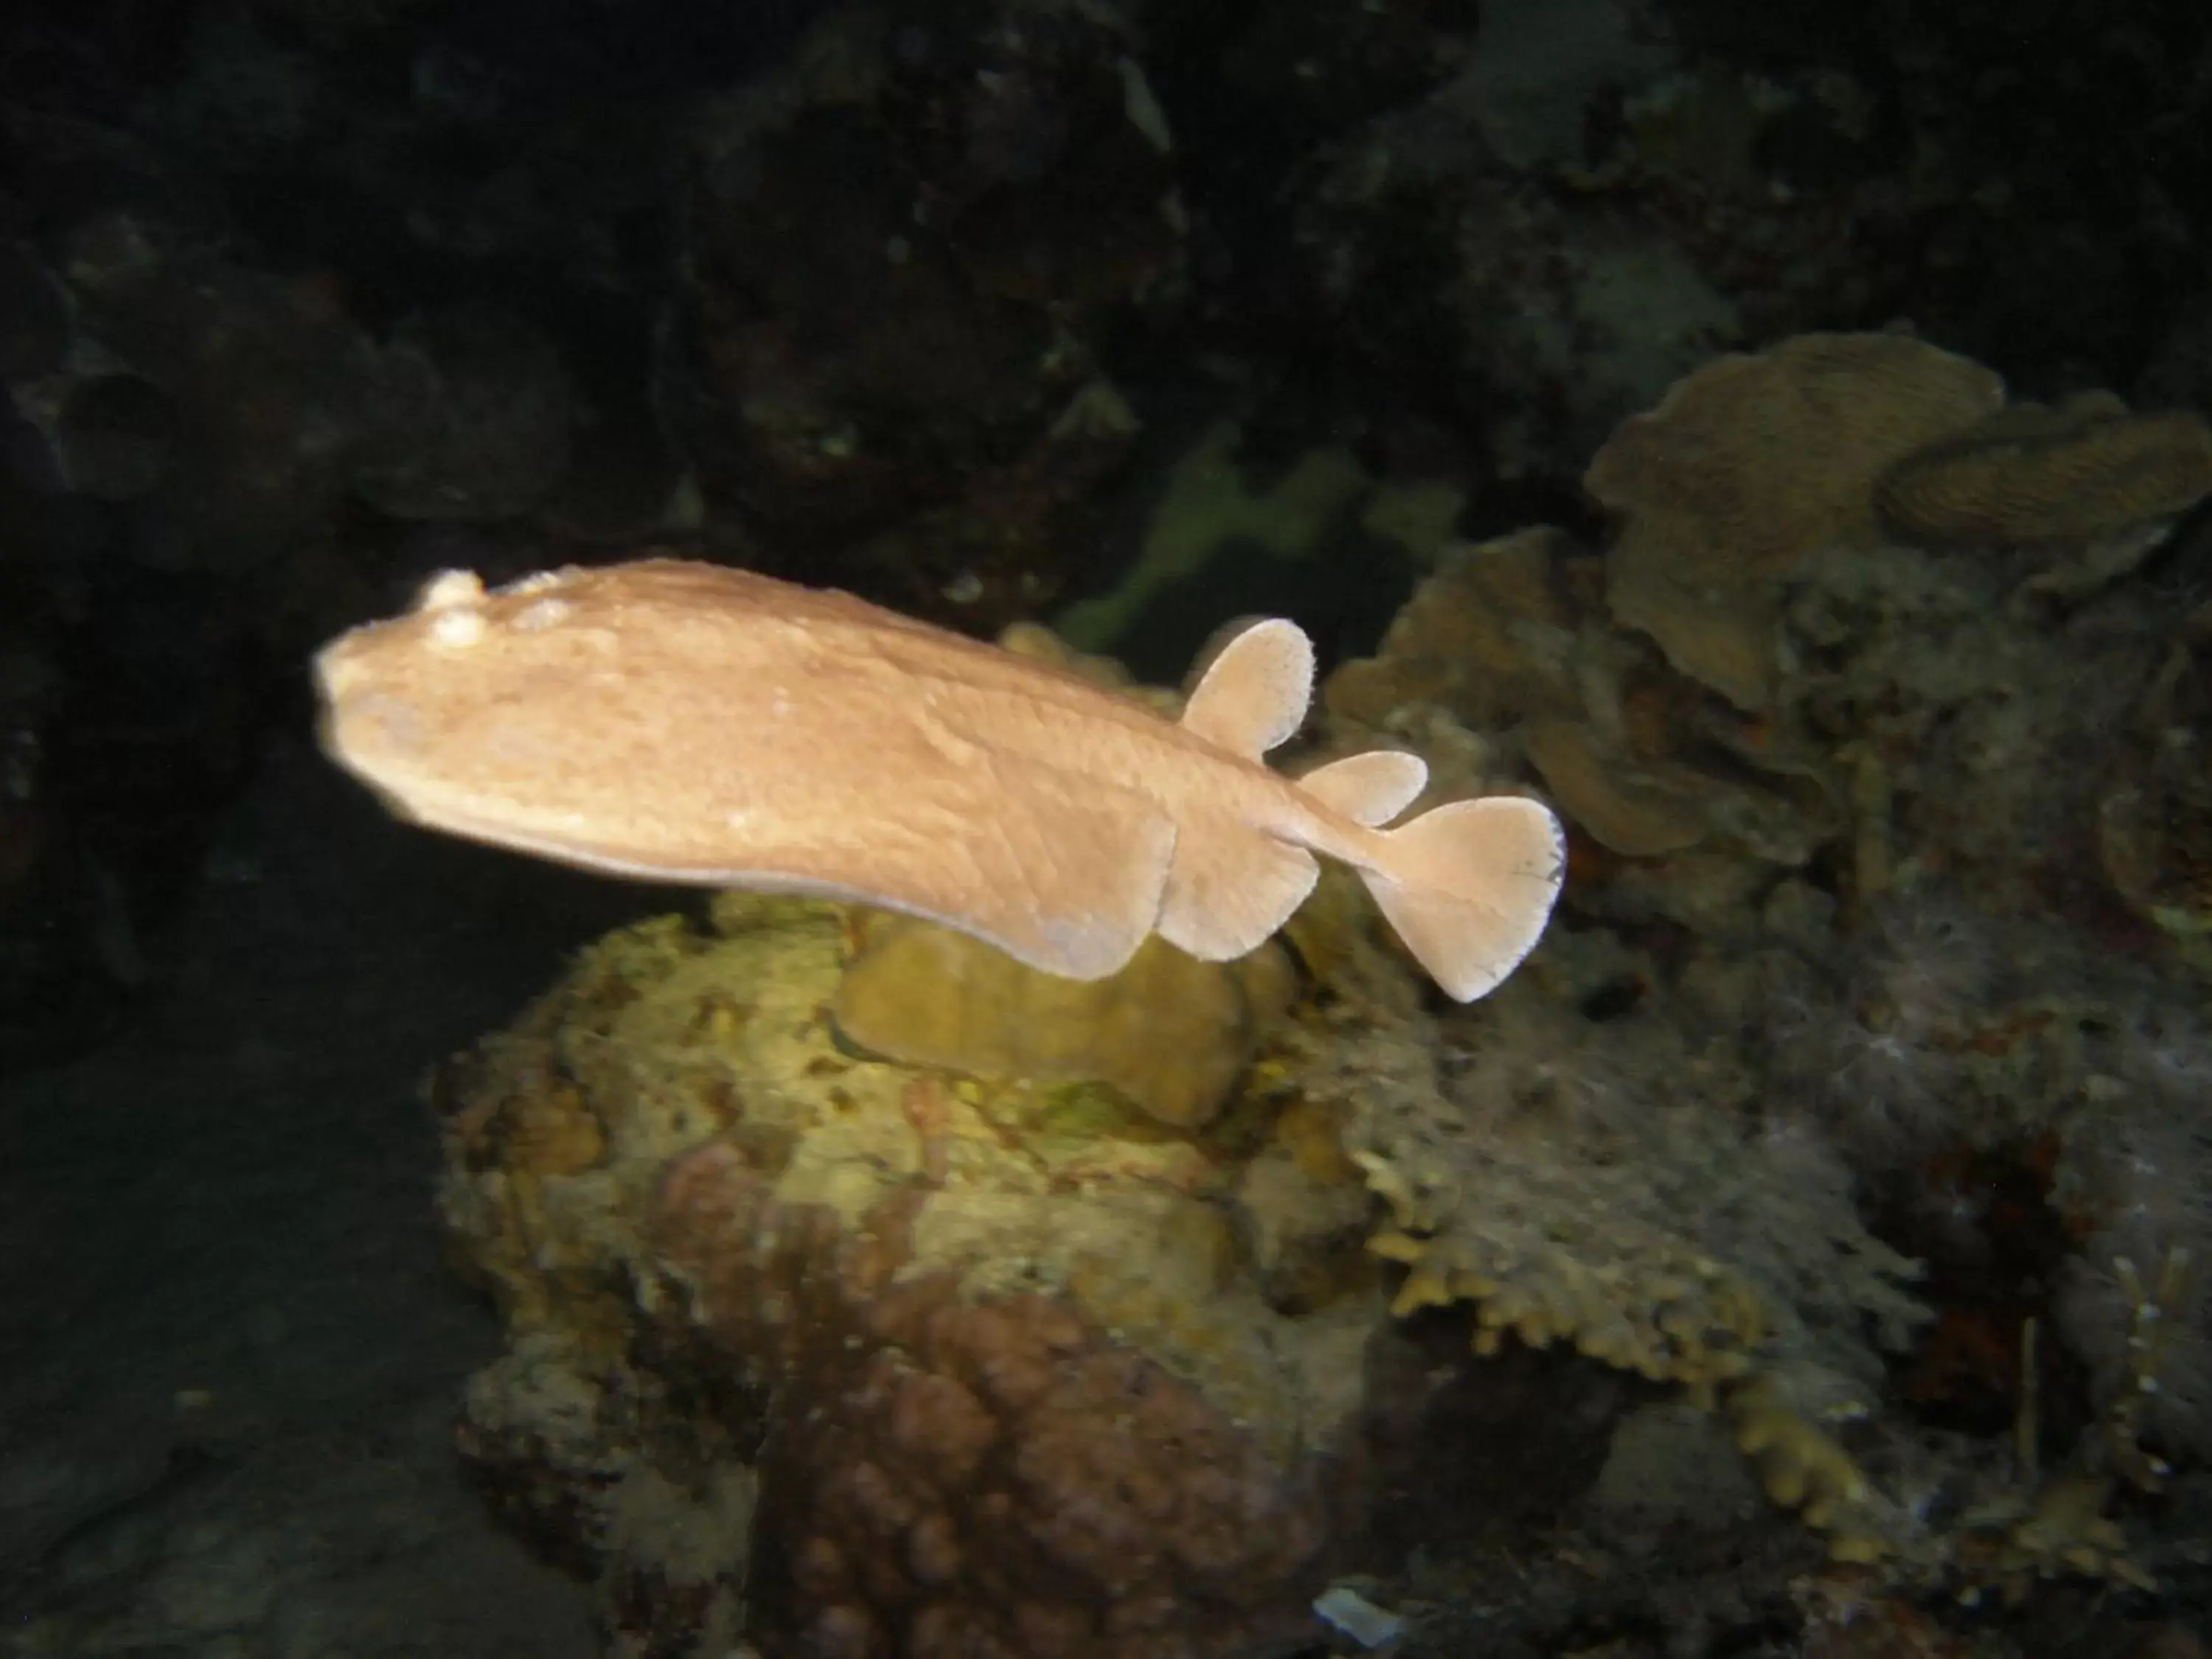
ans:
(1346, 1611)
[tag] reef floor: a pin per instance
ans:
(230, 1355)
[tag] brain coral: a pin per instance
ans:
(2078, 472)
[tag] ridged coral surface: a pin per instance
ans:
(991, 1347)
(2036, 476)
(973, 1477)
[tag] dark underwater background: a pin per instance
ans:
(1775, 436)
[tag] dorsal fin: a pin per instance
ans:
(1254, 693)
(1370, 788)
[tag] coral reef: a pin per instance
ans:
(1751, 463)
(988, 1344)
(1233, 520)
(1173, 1034)
(983, 1476)
(466, 414)
(904, 249)
(1022, 1369)
(2085, 471)
(1853, 810)
(1119, 1319)
(2135, 1302)
(2154, 815)
(1859, 682)
(1486, 634)
(868, 1296)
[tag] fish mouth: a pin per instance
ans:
(332, 733)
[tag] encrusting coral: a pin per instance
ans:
(2136, 1301)
(1582, 1181)
(2154, 814)
(1488, 635)
(1872, 847)
(1753, 461)
(988, 1343)
(1171, 1033)
(1749, 465)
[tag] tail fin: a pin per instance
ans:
(1469, 886)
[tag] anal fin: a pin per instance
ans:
(1370, 788)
